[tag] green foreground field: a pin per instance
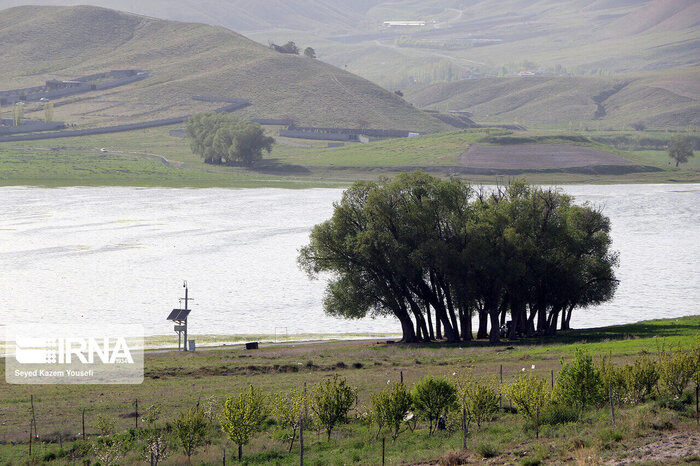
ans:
(175, 381)
(152, 157)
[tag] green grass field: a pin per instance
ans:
(135, 158)
(175, 381)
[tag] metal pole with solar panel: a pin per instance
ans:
(179, 316)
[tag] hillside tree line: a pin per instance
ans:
(433, 253)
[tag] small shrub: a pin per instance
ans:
(609, 437)
(332, 400)
(478, 400)
(640, 379)
(557, 413)
(433, 397)
(289, 409)
(676, 404)
(151, 416)
(390, 407)
(453, 458)
(190, 428)
(487, 450)
(676, 370)
(80, 449)
(528, 394)
(242, 416)
(105, 425)
(613, 378)
(579, 382)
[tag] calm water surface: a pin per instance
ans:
(111, 255)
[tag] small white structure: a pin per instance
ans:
(391, 24)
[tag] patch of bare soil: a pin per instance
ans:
(538, 157)
(671, 448)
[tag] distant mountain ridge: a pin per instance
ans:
(184, 59)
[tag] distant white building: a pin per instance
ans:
(391, 24)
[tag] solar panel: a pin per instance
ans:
(179, 314)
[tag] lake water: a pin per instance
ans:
(110, 255)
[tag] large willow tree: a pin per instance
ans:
(223, 139)
(433, 253)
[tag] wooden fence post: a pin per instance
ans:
(537, 423)
(136, 403)
(31, 399)
(383, 449)
(83, 424)
(301, 431)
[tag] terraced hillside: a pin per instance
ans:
(656, 100)
(184, 59)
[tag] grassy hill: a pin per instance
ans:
(655, 99)
(184, 59)
(486, 39)
(239, 15)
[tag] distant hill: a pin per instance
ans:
(582, 37)
(184, 59)
(239, 15)
(655, 99)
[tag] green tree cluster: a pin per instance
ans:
(222, 139)
(434, 252)
(390, 407)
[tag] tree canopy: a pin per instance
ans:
(289, 47)
(309, 52)
(433, 253)
(680, 149)
(223, 139)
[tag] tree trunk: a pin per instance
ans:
(465, 322)
(482, 333)
(541, 318)
(421, 328)
(453, 317)
(409, 334)
(517, 313)
(240, 452)
(431, 334)
(495, 334)
(566, 323)
(552, 321)
(294, 436)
